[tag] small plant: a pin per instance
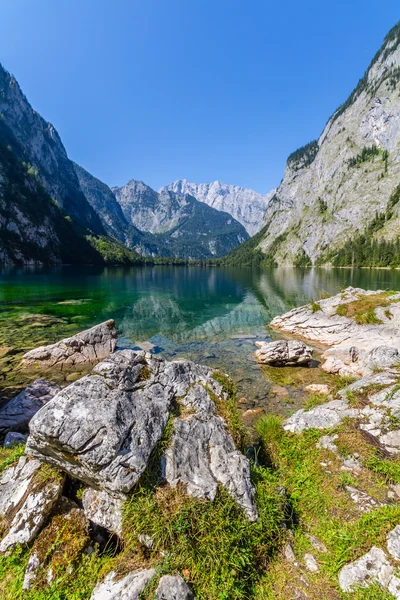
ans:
(323, 295)
(315, 306)
(314, 400)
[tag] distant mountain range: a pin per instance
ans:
(246, 206)
(52, 210)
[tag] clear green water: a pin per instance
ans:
(210, 315)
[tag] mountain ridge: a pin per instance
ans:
(187, 228)
(245, 205)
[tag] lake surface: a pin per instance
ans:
(210, 315)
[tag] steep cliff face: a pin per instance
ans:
(343, 188)
(45, 217)
(246, 206)
(45, 152)
(180, 225)
(33, 230)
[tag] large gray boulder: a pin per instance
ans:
(173, 587)
(25, 502)
(17, 413)
(282, 352)
(202, 454)
(103, 428)
(89, 346)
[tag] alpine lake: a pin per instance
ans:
(210, 315)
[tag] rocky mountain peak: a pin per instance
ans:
(246, 206)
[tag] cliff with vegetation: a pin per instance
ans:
(338, 202)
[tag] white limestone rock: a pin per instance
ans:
(325, 416)
(25, 502)
(282, 352)
(393, 542)
(125, 588)
(311, 563)
(320, 389)
(364, 502)
(326, 442)
(88, 346)
(372, 567)
(327, 328)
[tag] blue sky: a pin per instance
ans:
(160, 90)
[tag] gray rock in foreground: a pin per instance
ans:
(202, 454)
(282, 352)
(173, 588)
(88, 346)
(126, 588)
(170, 587)
(17, 413)
(103, 428)
(25, 502)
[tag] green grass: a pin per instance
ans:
(363, 309)
(321, 506)
(9, 456)
(220, 551)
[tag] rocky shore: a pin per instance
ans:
(136, 480)
(359, 424)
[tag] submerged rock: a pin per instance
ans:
(25, 501)
(17, 413)
(124, 588)
(282, 352)
(103, 428)
(317, 388)
(88, 346)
